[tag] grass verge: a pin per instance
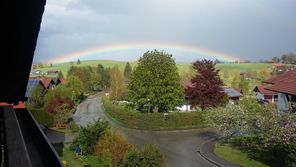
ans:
(153, 121)
(236, 156)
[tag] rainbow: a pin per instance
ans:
(145, 45)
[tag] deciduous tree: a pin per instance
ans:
(206, 89)
(117, 84)
(155, 82)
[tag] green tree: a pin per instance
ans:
(84, 74)
(89, 135)
(276, 59)
(127, 71)
(105, 76)
(76, 86)
(37, 97)
(155, 82)
(118, 88)
(244, 85)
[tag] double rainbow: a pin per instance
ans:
(198, 51)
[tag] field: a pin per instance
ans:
(231, 68)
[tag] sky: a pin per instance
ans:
(242, 29)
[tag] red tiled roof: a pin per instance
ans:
(284, 83)
(284, 77)
(45, 82)
(262, 90)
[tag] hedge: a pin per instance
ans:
(42, 117)
(153, 121)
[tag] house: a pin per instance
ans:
(52, 72)
(285, 86)
(31, 86)
(232, 94)
(62, 81)
(47, 83)
(264, 95)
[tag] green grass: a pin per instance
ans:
(236, 156)
(73, 160)
(153, 121)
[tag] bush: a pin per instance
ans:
(113, 143)
(149, 156)
(88, 136)
(105, 159)
(42, 117)
(62, 114)
(132, 157)
(152, 121)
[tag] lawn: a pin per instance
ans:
(153, 121)
(236, 156)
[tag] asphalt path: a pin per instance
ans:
(179, 147)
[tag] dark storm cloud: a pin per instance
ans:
(250, 29)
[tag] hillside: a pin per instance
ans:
(64, 67)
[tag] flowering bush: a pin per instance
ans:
(266, 134)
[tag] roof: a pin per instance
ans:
(284, 77)
(231, 92)
(284, 83)
(46, 81)
(262, 90)
(32, 84)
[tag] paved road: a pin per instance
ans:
(87, 111)
(179, 147)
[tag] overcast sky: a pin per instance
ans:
(248, 29)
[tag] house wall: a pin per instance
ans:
(259, 96)
(282, 103)
(269, 98)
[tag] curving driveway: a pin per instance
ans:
(179, 147)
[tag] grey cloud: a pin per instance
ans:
(250, 29)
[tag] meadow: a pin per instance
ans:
(230, 68)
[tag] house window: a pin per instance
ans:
(275, 97)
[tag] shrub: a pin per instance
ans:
(155, 121)
(114, 143)
(105, 159)
(42, 117)
(88, 136)
(149, 156)
(62, 114)
(133, 157)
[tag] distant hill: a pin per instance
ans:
(64, 67)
